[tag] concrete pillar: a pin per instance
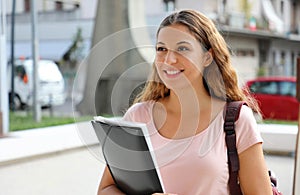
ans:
(4, 104)
(115, 65)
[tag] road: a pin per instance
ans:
(77, 172)
(283, 166)
(74, 172)
(63, 110)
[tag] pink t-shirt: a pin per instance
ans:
(196, 165)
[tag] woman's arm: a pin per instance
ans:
(253, 174)
(107, 185)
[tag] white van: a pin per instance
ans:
(51, 89)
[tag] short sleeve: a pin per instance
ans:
(139, 112)
(246, 130)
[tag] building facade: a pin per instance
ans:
(58, 24)
(263, 35)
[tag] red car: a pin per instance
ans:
(276, 97)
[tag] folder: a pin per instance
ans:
(129, 155)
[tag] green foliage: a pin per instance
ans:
(279, 122)
(23, 122)
(246, 8)
(74, 53)
(261, 71)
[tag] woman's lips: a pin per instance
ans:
(172, 73)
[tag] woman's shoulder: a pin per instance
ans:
(140, 106)
(139, 112)
(246, 129)
(246, 114)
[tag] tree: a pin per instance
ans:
(113, 54)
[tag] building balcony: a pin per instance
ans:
(47, 16)
(236, 23)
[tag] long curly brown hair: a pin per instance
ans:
(219, 78)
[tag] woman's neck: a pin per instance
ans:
(187, 101)
(185, 113)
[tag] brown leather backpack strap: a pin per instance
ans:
(231, 115)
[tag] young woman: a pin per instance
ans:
(183, 104)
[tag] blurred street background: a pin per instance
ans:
(65, 61)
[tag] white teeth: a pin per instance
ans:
(172, 72)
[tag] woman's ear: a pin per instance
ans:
(208, 58)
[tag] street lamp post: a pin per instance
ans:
(12, 91)
(296, 184)
(35, 56)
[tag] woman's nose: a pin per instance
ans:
(171, 57)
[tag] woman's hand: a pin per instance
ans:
(164, 194)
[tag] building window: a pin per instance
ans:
(27, 5)
(245, 52)
(293, 63)
(281, 8)
(76, 5)
(58, 5)
(282, 58)
(273, 58)
(169, 5)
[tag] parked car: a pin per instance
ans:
(276, 97)
(51, 88)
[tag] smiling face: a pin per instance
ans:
(180, 58)
(177, 34)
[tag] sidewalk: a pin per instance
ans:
(23, 145)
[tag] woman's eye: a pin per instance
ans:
(182, 48)
(160, 49)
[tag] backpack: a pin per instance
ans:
(231, 115)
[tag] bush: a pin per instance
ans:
(19, 121)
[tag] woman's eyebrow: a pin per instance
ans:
(180, 42)
(183, 42)
(161, 43)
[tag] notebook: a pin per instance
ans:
(128, 152)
